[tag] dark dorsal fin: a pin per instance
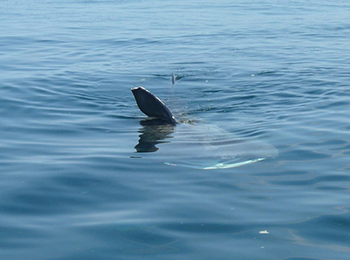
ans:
(151, 105)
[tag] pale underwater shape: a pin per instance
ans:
(200, 146)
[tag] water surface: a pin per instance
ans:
(72, 183)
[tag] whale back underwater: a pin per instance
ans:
(192, 145)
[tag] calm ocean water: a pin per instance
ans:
(72, 184)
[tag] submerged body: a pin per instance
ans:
(199, 146)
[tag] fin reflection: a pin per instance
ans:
(153, 132)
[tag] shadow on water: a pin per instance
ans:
(153, 132)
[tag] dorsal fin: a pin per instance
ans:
(151, 105)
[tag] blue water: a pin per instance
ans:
(72, 185)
